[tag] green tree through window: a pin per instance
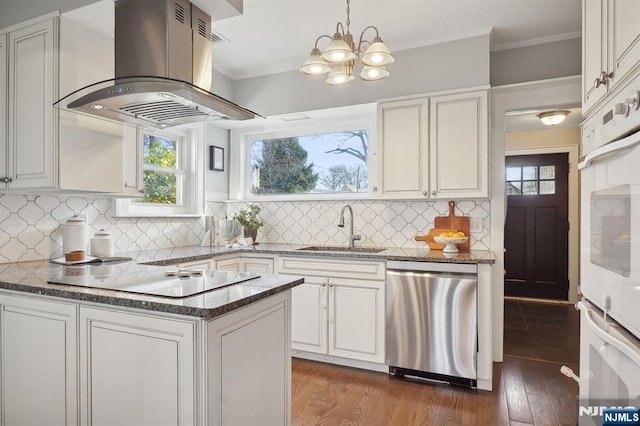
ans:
(283, 168)
(160, 167)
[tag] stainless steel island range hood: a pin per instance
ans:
(163, 69)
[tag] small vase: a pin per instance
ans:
(253, 233)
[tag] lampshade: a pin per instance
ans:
(315, 65)
(373, 73)
(377, 54)
(338, 50)
(339, 75)
(551, 118)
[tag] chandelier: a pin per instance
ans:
(338, 59)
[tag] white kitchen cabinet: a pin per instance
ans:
(32, 89)
(339, 310)
(232, 264)
(403, 154)
(459, 145)
(309, 313)
(249, 365)
(260, 265)
(434, 147)
(47, 148)
(136, 369)
(4, 86)
(39, 383)
(198, 264)
(610, 48)
(133, 161)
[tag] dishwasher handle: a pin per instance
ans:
(429, 274)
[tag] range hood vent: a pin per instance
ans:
(163, 69)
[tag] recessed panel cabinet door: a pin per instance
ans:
(39, 384)
(136, 369)
(459, 145)
(402, 149)
(357, 319)
(4, 83)
(309, 315)
(594, 50)
(624, 37)
(32, 90)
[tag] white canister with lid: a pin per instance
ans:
(102, 244)
(75, 234)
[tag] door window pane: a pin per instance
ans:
(514, 173)
(529, 173)
(547, 172)
(514, 188)
(547, 187)
(530, 187)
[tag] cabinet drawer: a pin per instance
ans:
(331, 268)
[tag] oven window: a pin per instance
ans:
(610, 229)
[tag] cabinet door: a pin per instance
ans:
(260, 265)
(624, 37)
(198, 264)
(402, 149)
(309, 315)
(136, 369)
(232, 265)
(594, 51)
(39, 363)
(357, 319)
(32, 91)
(133, 156)
(4, 84)
(459, 160)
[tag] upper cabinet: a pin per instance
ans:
(47, 148)
(611, 46)
(31, 93)
(434, 147)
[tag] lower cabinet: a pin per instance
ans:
(343, 317)
(143, 368)
(38, 381)
(143, 365)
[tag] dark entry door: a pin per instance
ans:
(537, 226)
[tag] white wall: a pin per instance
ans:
(456, 64)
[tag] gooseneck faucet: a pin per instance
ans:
(352, 238)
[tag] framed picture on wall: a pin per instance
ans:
(216, 158)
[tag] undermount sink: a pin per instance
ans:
(343, 249)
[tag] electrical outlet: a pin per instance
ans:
(475, 225)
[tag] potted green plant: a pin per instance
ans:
(249, 220)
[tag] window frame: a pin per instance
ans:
(190, 157)
(240, 161)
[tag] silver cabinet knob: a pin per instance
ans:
(424, 193)
(433, 192)
(323, 284)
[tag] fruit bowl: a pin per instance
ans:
(450, 243)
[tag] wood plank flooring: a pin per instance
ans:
(526, 392)
(528, 388)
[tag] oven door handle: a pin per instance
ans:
(616, 147)
(624, 347)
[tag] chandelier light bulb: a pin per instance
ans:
(315, 65)
(340, 75)
(373, 73)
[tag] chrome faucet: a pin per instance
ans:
(352, 238)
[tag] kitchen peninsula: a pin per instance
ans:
(81, 355)
(202, 359)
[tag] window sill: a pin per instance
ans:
(306, 197)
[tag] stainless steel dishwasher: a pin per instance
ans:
(432, 327)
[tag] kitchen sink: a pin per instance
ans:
(343, 249)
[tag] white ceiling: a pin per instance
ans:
(276, 35)
(520, 121)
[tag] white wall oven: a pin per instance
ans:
(610, 257)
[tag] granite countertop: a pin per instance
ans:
(175, 255)
(34, 277)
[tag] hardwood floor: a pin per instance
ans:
(526, 392)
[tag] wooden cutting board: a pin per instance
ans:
(458, 223)
(433, 232)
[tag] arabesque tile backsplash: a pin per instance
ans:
(31, 225)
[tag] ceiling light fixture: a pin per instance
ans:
(338, 59)
(551, 118)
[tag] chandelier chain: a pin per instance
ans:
(348, 11)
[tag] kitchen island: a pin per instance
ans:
(81, 355)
